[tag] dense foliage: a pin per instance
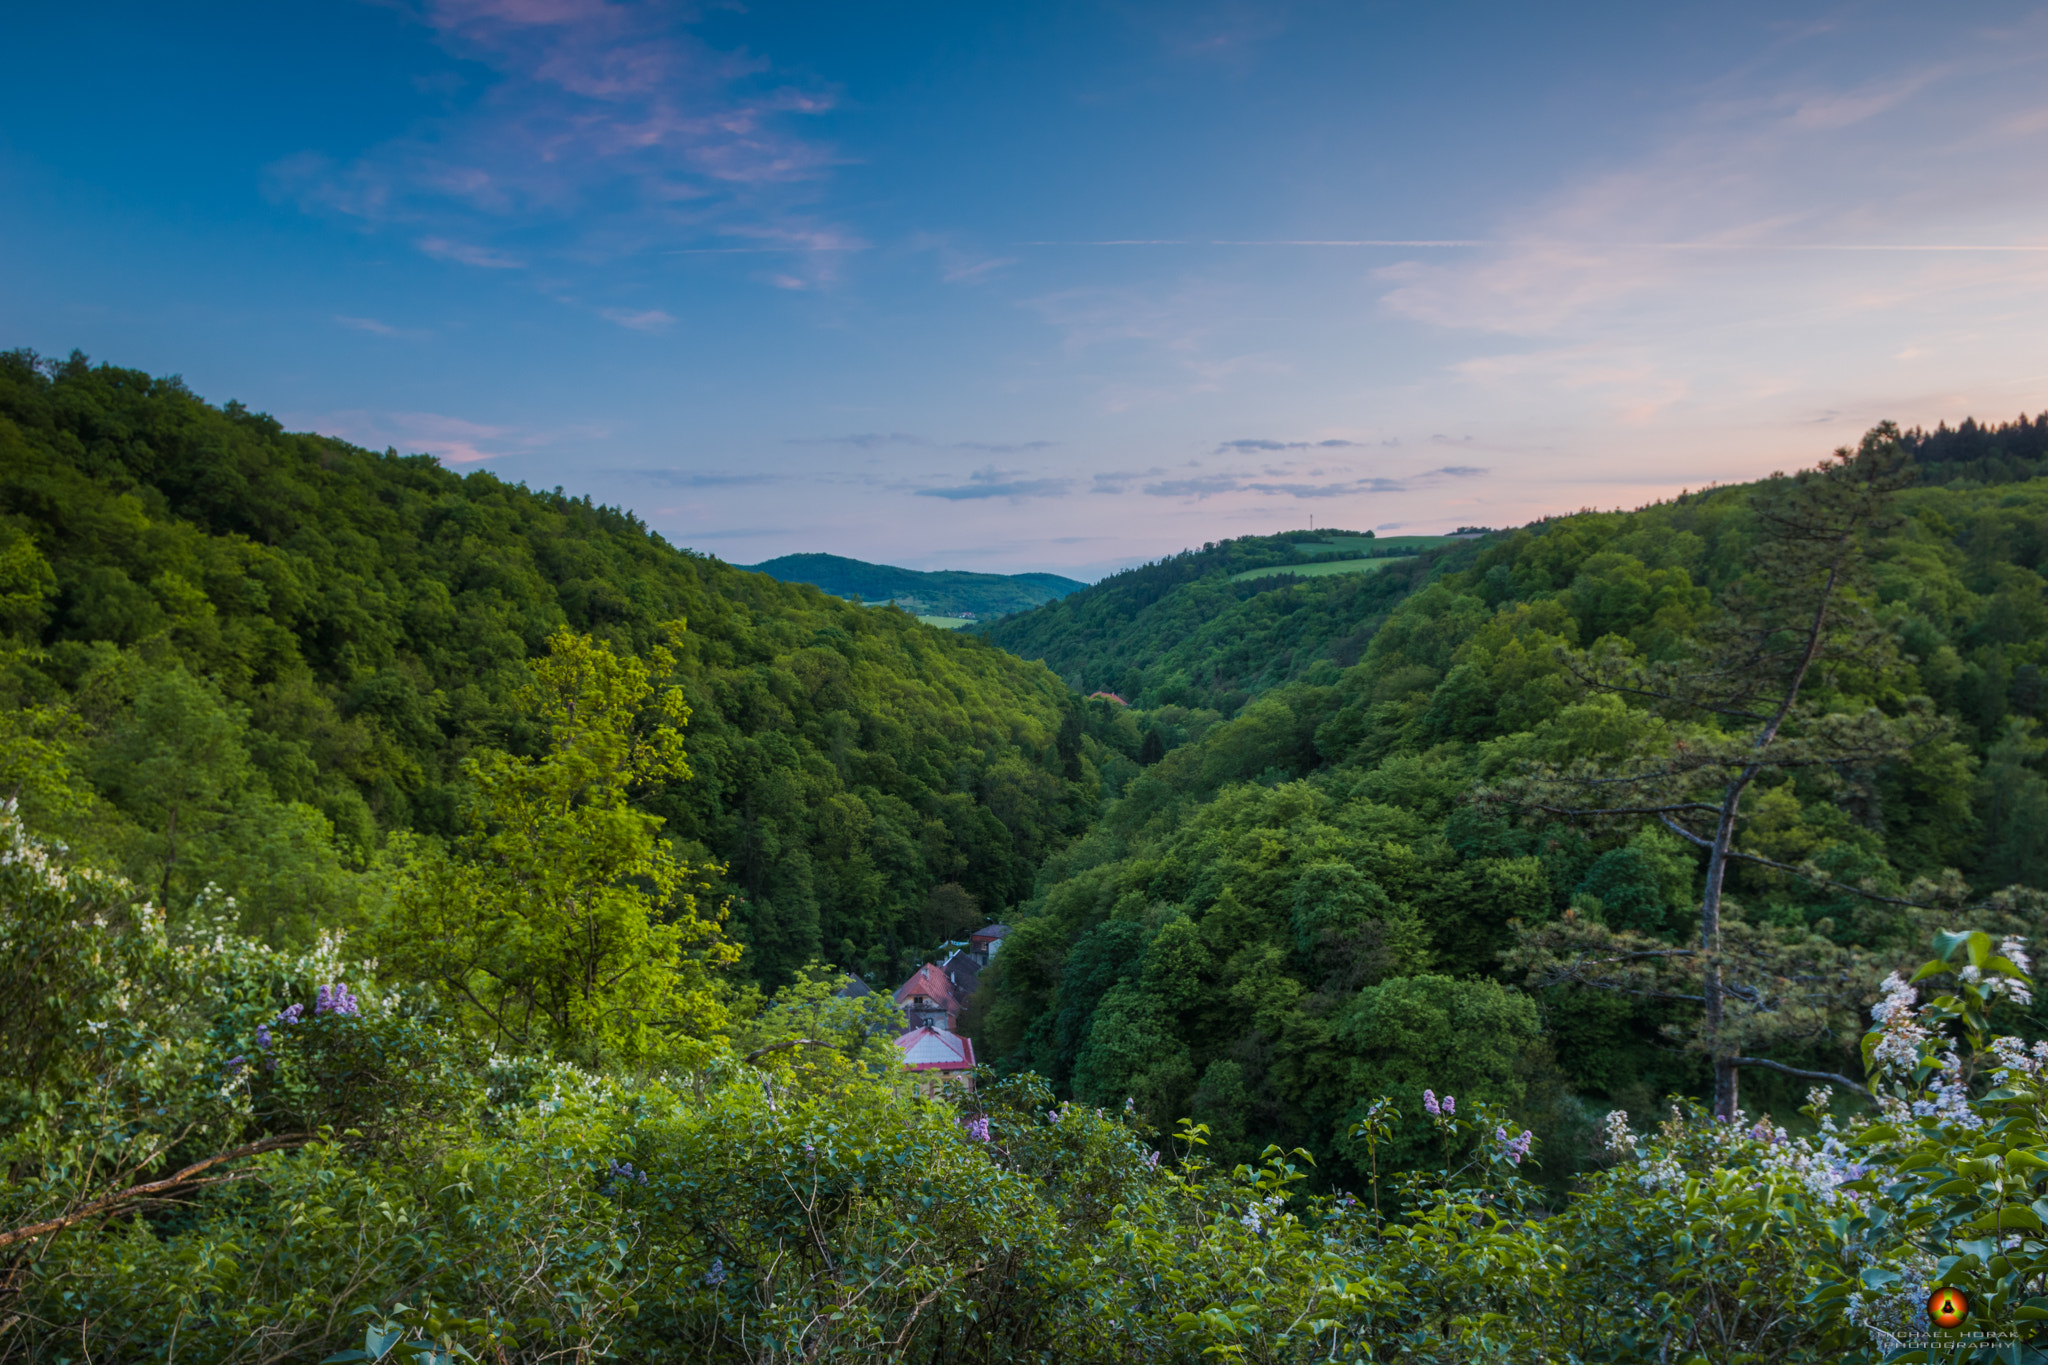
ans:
(231, 1154)
(942, 592)
(1304, 907)
(1186, 631)
(256, 654)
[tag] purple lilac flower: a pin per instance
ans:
(1450, 1105)
(716, 1275)
(336, 999)
(1429, 1103)
(977, 1128)
(290, 1014)
(263, 1036)
(235, 1064)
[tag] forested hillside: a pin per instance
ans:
(1191, 631)
(941, 592)
(1313, 903)
(256, 653)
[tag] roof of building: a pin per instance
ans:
(989, 931)
(1108, 696)
(963, 971)
(930, 1049)
(928, 980)
(853, 988)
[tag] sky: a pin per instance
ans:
(1054, 286)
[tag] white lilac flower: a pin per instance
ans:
(1896, 997)
(2014, 1062)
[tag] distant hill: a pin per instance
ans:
(1215, 627)
(945, 592)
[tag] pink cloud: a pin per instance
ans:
(607, 120)
(451, 440)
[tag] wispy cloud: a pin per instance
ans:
(1200, 486)
(1747, 195)
(647, 320)
(875, 440)
(997, 483)
(1250, 445)
(861, 440)
(375, 327)
(695, 478)
(452, 440)
(606, 128)
(1315, 485)
(468, 253)
(1003, 447)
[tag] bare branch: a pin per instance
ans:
(155, 1189)
(1834, 885)
(1831, 1077)
(1682, 832)
(1573, 813)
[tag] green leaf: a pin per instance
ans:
(1999, 1220)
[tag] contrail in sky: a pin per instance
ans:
(1539, 242)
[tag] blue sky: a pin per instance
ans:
(1053, 286)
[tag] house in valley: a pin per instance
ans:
(939, 1056)
(927, 999)
(932, 1000)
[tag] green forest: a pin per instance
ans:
(943, 592)
(259, 654)
(425, 900)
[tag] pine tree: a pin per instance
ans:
(1741, 704)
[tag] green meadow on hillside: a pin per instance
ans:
(1321, 568)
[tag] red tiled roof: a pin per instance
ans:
(928, 980)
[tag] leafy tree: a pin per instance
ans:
(177, 764)
(560, 918)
